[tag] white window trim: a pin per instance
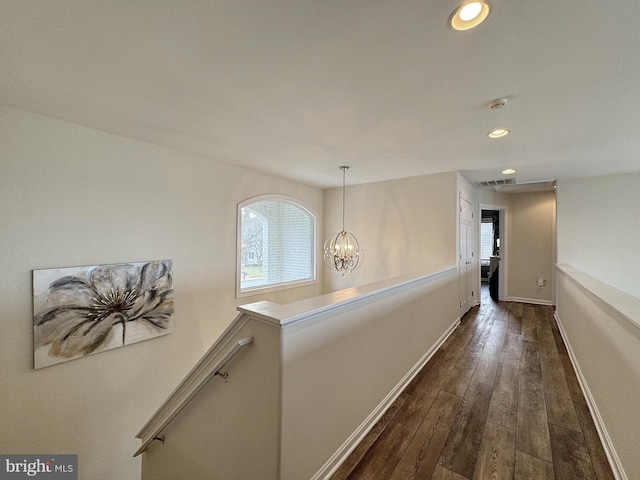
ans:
(259, 290)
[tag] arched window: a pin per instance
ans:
(276, 244)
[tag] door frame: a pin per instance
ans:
(503, 273)
(473, 266)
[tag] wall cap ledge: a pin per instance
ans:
(625, 305)
(282, 315)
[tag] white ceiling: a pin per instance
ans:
(297, 88)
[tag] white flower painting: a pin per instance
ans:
(83, 310)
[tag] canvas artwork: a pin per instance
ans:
(79, 311)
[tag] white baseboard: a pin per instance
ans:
(334, 462)
(535, 301)
(612, 456)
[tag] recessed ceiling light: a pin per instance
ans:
(498, 132)
(509, 171)
(469, 15)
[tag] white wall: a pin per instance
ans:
(598, 228)
(73, 196)
(231, 429)
(342, 368)
(408, 224)
(601, 326)
(318, 375)
(529, 251)
(403, 226)
(532, 246)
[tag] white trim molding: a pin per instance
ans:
(535, 301)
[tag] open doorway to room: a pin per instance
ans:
(493, 258)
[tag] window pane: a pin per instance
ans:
(486, 240)
(277, 244)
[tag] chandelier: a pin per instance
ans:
(342, 251)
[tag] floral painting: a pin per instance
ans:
(83, 310)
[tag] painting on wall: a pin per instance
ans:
(79, 311)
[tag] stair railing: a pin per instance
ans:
(186, 391)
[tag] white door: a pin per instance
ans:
(467, 295)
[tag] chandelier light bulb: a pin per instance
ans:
(342, 252)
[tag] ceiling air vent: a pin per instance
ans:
(497, 183)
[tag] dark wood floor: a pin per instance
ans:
(499, 400)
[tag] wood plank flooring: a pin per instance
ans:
(499, 400)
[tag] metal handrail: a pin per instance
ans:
(172, 411)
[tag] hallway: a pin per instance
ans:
(499, 400)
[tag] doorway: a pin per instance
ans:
(493, 250)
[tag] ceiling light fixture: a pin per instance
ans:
(498, 132)
(509, 171)
(342, 251)
(469, 15)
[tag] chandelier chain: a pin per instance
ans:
(342, 251)
(344, 173)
